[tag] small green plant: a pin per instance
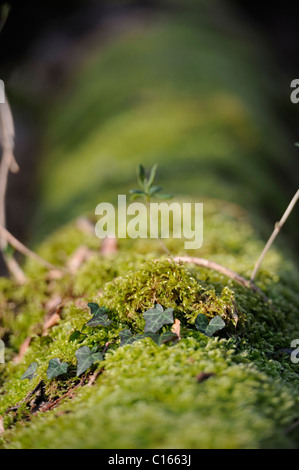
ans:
(148, 188)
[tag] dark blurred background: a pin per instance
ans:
(42, 45)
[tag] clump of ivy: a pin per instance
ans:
(155, 318)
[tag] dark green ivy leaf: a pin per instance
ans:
(99, 315)
(86, 358)
(127, 337)
(215, 324)
(96, 309)
(99, 319)
(156, 317)
(203, 325)
(76, 335)
(29, 373)
(165, 337)
(56, 368)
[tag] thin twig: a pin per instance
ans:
(205, 263)
(8, 163)
(23, 249)
(274, 234)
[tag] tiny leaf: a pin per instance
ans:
(163, 196)
(56, 368)
(99, 315)
(125, 337)
(86, 358)
(98, 320)
(154, 189)
(141, 176)
(215, 324)
(156, 317)
(152, 175)
(95, 308)
(75, 335)
(136, 191)
(29, 373)
(201, 323)
(168, 336)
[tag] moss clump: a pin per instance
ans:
(171, 285)
(150, 397)
(251, 401)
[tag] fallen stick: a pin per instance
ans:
(205, 263)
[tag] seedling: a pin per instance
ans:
(148, 189)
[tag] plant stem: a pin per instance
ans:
(152, 222)
(274, 234)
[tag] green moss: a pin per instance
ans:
(149, 397)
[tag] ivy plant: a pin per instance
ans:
(56, 368)
(203, 325)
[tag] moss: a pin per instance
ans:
(249, 402)
(149, 397)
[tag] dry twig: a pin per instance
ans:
(274, 234)
(205, 263)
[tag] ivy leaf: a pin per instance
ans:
(56, 368)
(99, 315)
(76, 335)
(168, 336)
(99, 319)
(95, 308)
(215, 324)
(156, 317)
(86, 358)
(165, 337)
(29, 374)
(203, 325)
(125, 337)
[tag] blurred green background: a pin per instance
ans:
(192, 86)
